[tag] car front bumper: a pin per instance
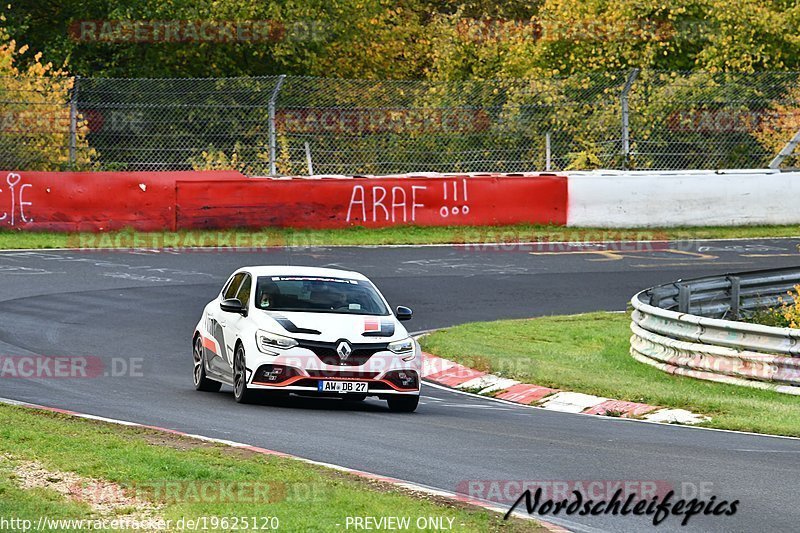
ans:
(300, 370)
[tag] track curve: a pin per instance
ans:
(142, 305)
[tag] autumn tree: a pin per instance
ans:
(37, 132)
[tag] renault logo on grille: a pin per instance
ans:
(344, 350)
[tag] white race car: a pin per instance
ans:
(308, 331)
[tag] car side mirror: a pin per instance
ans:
(404, 313)
(232, 305)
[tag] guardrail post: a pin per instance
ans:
(653, 299)
(735, 287)
(273, 138)
(684, 292)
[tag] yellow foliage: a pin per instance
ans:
(244, 159)
(780, 124)
(584, 160)
(283, 162)
(213, 159)
(567, 37)
(37, 109)
(791, 310)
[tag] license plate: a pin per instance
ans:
(342, 386)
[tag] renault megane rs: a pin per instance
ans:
(307, 331)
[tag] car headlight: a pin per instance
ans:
(268, 342)
(402, 346)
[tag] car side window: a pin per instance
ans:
(244, 292)
(233, 286)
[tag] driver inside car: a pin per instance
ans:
(268, 292)
(326, 298)
(339, 300)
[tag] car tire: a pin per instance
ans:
(201, 381)
(241, 392)
(403, 404)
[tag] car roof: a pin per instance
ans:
(288, 270)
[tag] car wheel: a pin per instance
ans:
(241, 393)
(403, 404)
(201, 381)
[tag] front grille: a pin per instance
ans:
(307, 382)
(326, 352)
(374, 386)
(345, 374)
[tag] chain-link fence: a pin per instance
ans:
(299, 125)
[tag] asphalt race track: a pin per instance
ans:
(144, 304)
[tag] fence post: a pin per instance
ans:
(547, 151)
(786, 151)
(73, 122)
(626, 148)
(308, 159)
(273, 140)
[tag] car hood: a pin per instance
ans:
(330, 327)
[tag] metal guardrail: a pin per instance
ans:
(727, 296)
(680, 328)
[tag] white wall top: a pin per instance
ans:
(683, 198)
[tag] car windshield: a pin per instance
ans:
(318, 295)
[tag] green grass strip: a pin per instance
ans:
(589, 353)
(369, 236)
(172, 470)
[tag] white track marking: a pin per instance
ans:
(609, 419)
